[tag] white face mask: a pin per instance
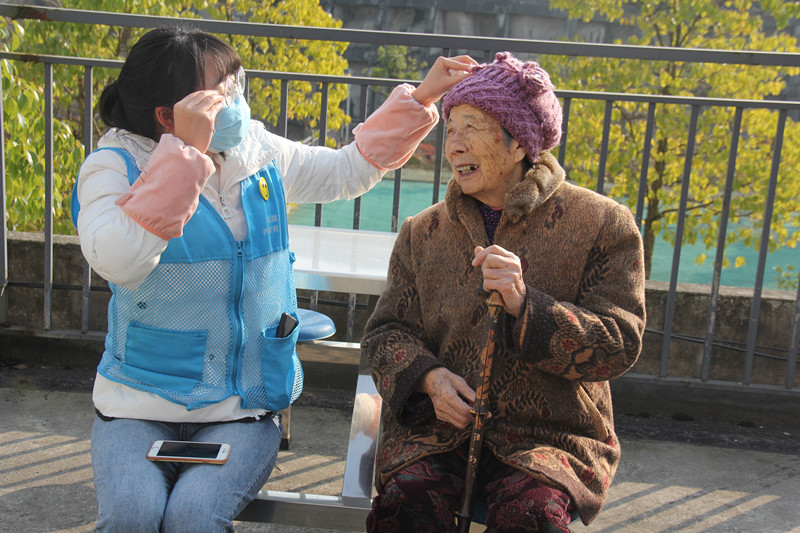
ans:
(231, 125)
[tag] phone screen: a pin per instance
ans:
(199, 450)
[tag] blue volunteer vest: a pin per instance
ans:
(201, 327)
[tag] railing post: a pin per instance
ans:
(351, 316)
(601, 167)
(3, 231)
(669, 315)
(791, 361)
(362, 114)
(437, 169)
(437, 165)
(723, 231)
(351, 298)
(88, 108)
(398, 181)
(283, 126)
(643, 183)
(562, 147)
(48, 196)
(762, 254)
(323, 137)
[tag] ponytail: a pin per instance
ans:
(110, 106)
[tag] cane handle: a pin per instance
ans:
(493, 297)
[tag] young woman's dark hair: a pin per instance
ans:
(164, 66)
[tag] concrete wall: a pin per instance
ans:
(25, 306)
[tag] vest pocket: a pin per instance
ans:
(164, 358)
(278, 367)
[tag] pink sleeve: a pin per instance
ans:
(389, 136)
(167, 192)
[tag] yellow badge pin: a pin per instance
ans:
(263, 187)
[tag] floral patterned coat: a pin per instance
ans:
(582, 325)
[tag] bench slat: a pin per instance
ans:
(322, 351)
(307, 510)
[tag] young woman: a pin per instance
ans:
(182, 210)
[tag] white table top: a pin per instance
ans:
(340, 260)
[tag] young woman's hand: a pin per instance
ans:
(194, 118)
(445, 72)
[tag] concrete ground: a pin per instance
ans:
(675, 476)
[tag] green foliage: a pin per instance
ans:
(734, 24)
(23, 98)
(787, 277)
(24, 141)
(395, 62)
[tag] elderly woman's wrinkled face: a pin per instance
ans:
(483, 163)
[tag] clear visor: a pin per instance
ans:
(233, 86)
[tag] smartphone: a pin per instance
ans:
(286, 325)
(189, 452)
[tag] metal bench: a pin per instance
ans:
(349, 510)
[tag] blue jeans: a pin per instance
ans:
(135, 494)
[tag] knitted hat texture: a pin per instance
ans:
(520, 96)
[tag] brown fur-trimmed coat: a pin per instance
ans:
(582, 325)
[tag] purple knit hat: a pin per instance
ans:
(518, 95)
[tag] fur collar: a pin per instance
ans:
(538, 184)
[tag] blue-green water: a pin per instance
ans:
(376, 214)
(376, 207)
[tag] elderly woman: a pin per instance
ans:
(568, 264)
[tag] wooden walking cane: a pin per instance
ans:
(480, 410)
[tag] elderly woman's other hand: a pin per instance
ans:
(451, 396)
(502, 272)
(445, 72)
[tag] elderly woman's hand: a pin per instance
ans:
(450, 394)
(502, 272)
(445, 72)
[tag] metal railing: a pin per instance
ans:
(478, 47)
